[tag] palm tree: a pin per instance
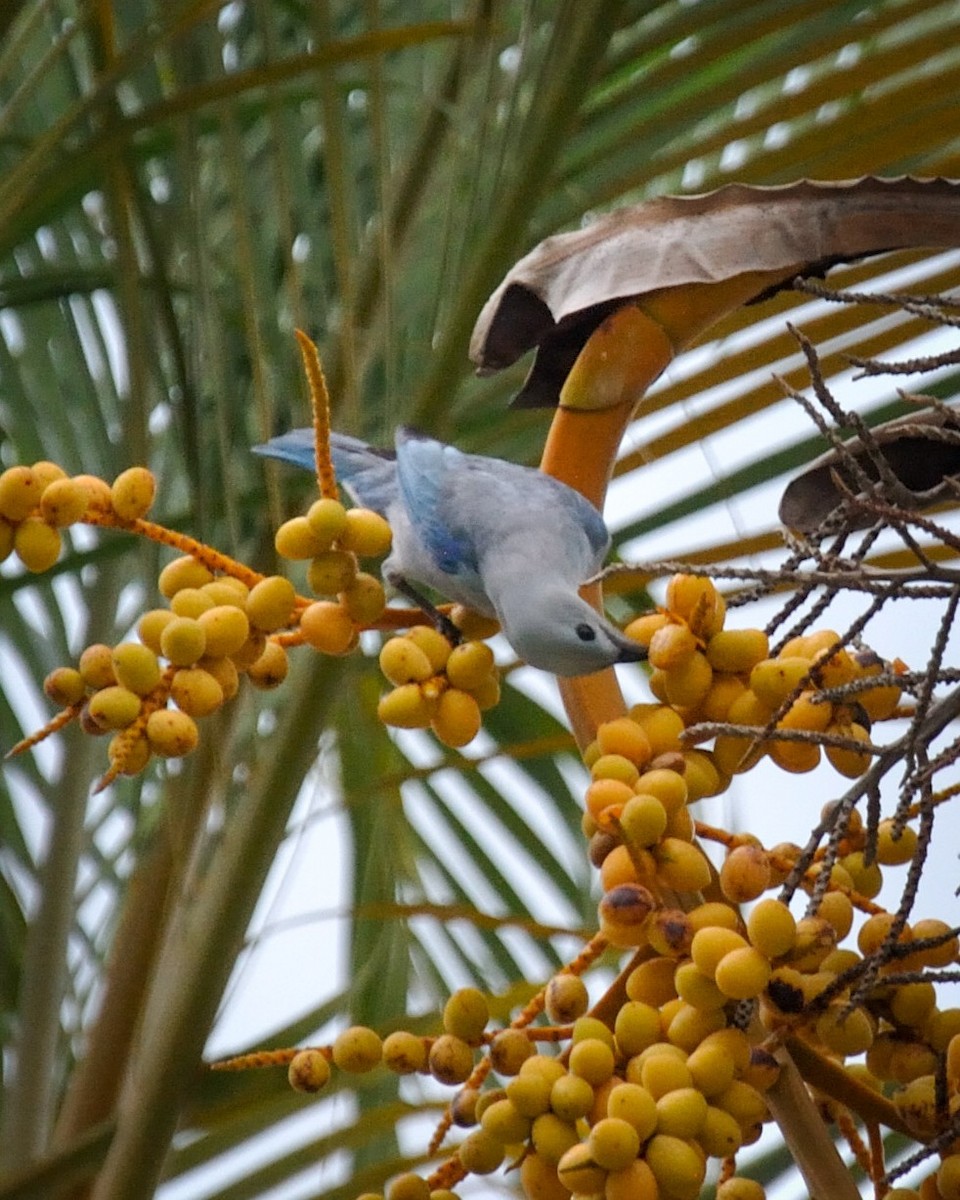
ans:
(183, 185)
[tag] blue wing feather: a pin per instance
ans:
(422, 467)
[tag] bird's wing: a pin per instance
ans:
(427, 471)
(368, 475)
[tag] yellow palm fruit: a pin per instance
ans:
(135, 667)
(634, 1182)
(795, 757)
(772, 928)
(711, 944)
(851, 763)
(745, 873)
(404, 1053)
(309, 1071)
(879, 702)
(183, 641)
(227, 590)
(670, 646)
(365, 599)
(224, 671)
(434, 645)
(457, 719)
(46, 472)
(328, 628)
(96, 666)
(170, 733)
(331, 571)
(834, 670)
(662, 726)
(63, 503)
(678, 1165)
(742, 974)
(128, 755)
(694, 598)
(623, 913)
(64, 686)
(470, 666)
(867, 880)
(737, 650)
(295, 540)
(700, 775)
(894, 851)
(403, 661)
(689, 682)
(20, 492)
(151, 625)
(613, 1143)
(773, 680)
(225, 629)
(624, 736)
(114, 707)
(190, 602)
(181, 573)
(366, 533)
(327, 519)
(357, 1050)
(539, 1179)
(405, 707)
(579, 1173)
(132, 493)
(723, 690)
(98, 491)
(37, 544)
(487, 695)
(641, 629)
(807, 713)
(270, 669)
(681, 865)
(451, 1059)
(473, 625)
(196, 692)
(270, 603)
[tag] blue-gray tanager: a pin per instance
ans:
(507, 541)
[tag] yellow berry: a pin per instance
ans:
(697, 989)
(700, 775)
(623, 913)
(845, 1031)
(403, 661)
(613, 1143)
(132, 493)
(739, 1188)
(662, 726)
(509, 1050)
(114, 707)
(224, 671)
(151, 625)
(737, 650)
(136, 667)
(408, 1186)
(504, 1122)
(181, 573)
(457, 719)
(688, 683)
(328, 628)
(327, 519)
(365, 599)
(190, 602)
(681, 865)
(851, 763)
(404, 1053)
(270, 603)
(470, 665)
(772, 928)
(96, 666)
(652, 981)
(720, 1134)
(867, 880)
(643, 820)
(451, 1059)
(405, 707)
(331, 571)
(309, 1071)
(711, 1068)
(696, 601)
(711, 944)
(670, 647)
(183, 641)
(681, 1112)
(566, 998)
(357, 1050)
(678, 1166)
(466, 1013)
(46, 472)
(19, 493)
(64, 686)
(195, 691)
(366, 533)
(592, 1059)
(37, 544)
(579, 1173)
(773, 680)
(634, 1182)
(269, 670)
(170, 733)
(225, 629)
(64, 501)
(745, 873)
(795, 757)
(129, 755)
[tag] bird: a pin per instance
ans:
(505, 540)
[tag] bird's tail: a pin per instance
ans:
(368, 475)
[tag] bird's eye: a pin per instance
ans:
(586, 633)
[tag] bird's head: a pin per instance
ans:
(561, 633)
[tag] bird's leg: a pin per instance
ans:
(440, 621)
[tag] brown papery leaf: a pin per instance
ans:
(556, 295)
(921, 451)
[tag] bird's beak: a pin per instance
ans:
(630, 651)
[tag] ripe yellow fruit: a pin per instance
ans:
(641, 629)
(737, 651)
(711, 944)
(46, 472)
(403, 661)
(466, 1014)
(635, 1182)
(795, 757)
(132, 493)
(851, 763)
(566, 998)
(662, 726)
(480, 1153)
(270, 603)
(623, 913)
(129, 755)
(328, 628)
(309, 1071)
(681, 865)
(457, 719)
(37, 544)
(670, 647)
(696, 601)
(643, 820)
(689, 682)
(404, 1053)
(742, 974)
(894, 851)
(745, 873)
(579, 1173)
(20, 492)
(114, 707)
(181, 573)
(451, 1059)
(327, 519)
(614, 1143)
(434, 645)
(845, 1032)
(773, 680)
(225, 629)
(405, 707)
(539, 1180)
(681, 1112)
(701, 776)
(151, 625)
(64, 686)
(407, 1186)
(697, 989)
(196, 692)
(183, 641)
(269, 670)
(365, 599)
(678, 1166)
(296, 541)
(190, 602)
(96, 666)
(171, 734)
(357, 1049)
(136, 667)
(331, 571)
(772, 928)
(366, 533)
(63, 503)
(593, 1060)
